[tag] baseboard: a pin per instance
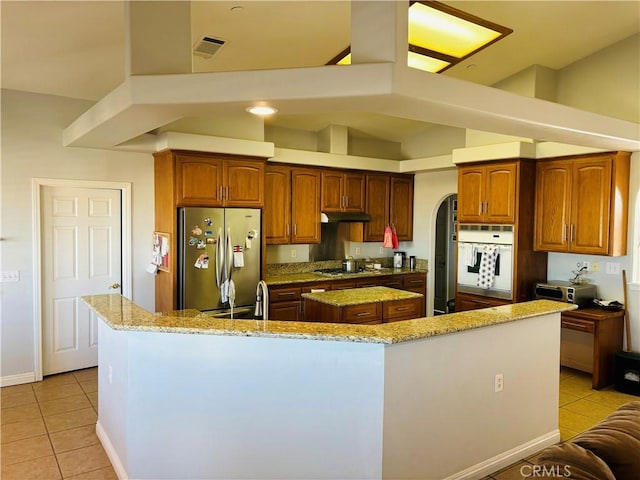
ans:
(507, 458)
(18, 379)
(111, 452)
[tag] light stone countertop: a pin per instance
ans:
(291, 278)
(122, 314)
(360, 296)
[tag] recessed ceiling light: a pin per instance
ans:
(261, 110)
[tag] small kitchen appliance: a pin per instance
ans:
(398, 259)
(563, 291)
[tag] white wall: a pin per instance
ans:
(32, 127)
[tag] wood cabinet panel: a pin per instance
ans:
(401, 310)
(285, 311)
(487, 193)
(377, 206)
(199, 181)
(401, 207)
(205, 181)
(465, 302)
(244, 183)
(582, 204)
(342, 191)
(305, 205)
(277, 206)
(362, 313)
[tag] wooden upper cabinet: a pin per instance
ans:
(305, 205)
(277, 205)
(377, 206)
(198, 181)
(487, 193)
(401, 206)
(582, 204)
(343, 191)
(553, 194)
(207, 181)
(244, 183)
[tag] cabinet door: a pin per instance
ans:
(244, 183)
(471, 194)
(198, 181)
(354, 192)
(590, 206)
(553, 194)
(305, 205)
(377, 207)
(277, 205)
(332, 191)
(466, 302)
(500, 193)
(401, 206)
(285, 311)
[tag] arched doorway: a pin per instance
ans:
(445, 254)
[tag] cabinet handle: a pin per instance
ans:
(288, 229)
(401, 309)
(220, 194)
(486, 207)
(346, 201)
(572, 230)
(295, 229)
(576, 326)
(286, 294)
(363, 314)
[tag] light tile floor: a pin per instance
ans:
(48, 430)
(48, 427)
(581, 407)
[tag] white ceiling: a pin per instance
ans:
(77, 48)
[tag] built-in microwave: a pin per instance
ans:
(475, 241)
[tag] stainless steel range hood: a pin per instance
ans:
(336, 217)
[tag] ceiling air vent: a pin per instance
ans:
(207, 47)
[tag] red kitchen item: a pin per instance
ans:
(388, 237)
(394, 237)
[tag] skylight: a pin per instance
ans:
(441, 36)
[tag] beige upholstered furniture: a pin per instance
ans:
(609, 450)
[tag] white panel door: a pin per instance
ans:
(81, 255)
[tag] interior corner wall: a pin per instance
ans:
(430, 189)
(32, 126)
(605, 82)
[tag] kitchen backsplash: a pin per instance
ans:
(303, 267)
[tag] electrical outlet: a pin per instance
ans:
(499, 382)
(613, 268)
(357, 250)
(294, 253)
(10, 276)
(595, 267)
(586, 266)
(381, 249)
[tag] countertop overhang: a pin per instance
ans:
(119, 313)
(360, 296)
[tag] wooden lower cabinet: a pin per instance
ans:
(401, 310)
(363, 314)
(466, 301)
(285, 301)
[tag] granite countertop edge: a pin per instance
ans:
(121, 314)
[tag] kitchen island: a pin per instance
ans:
(183, 395)
(370, 305)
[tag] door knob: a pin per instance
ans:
(114, 285)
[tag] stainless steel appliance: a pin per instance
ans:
(219, 260)
(398, 259)
(564, 291)
(474, 241)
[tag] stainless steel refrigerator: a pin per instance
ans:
(219, 260)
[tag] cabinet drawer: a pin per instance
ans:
(411, 282)
(362, 313)
(284, 294)
(579, 325)
(395, 282)
(401, 310)
(367, 282)
(343, 285)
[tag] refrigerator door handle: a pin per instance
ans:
(219, 260)
(228, 255)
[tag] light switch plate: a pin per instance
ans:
(10, 276)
